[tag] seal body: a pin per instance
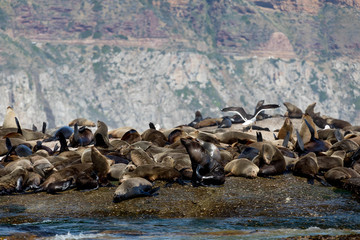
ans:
(133, 187)
(206, 170)
(242, 167)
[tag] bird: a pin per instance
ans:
(241, 112)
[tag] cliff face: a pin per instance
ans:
(130, 63)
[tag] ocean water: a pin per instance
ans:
(188, 228)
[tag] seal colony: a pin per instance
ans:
(198, 154)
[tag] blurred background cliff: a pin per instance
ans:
(131, 62)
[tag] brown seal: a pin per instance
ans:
(82, 122)
(335, 175)
(155, 136)
(286, 128)
(270, 160)
(305, 133)
(307, 166)
(153, 172)
(292, 111)
(101, 165)
(13, 181)
(101, 137)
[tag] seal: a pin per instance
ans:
(81, 137)
(101, 165)
(131, 136)
(314, 144)
(270, 160)
(198, 118)
(118, 132)
(9, 119)
(133, 187)
(82, 122)
(13, 182)
(241, 167)
(225, 123)
(153, 172)
(286, 128)
(335, 175)
(328, 162)
(154, 136)
(206, 170)
(292, 111)
(101, 138)
(139, 157)
(307, 166)
(305, 133)
(60, 180)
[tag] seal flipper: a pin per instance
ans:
(300, 142)
(151, 125)
(310, 181)
(19, 184)
(63, 144)
(18, 126)
(43, 130)
(59, 186)
(286, 139)
(259, 137)
(311, 129)
(152, 192)
(339, 137)
(322, 181)
(10, 149)
(34, 128)
(275, 137)
(8, 144)
(355, 157)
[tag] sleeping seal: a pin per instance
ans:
(133, 187)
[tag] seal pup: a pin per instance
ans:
(206, 170)
(241, 167)
(240, 111)
(134, 187)
(292, 111)
(270, 160)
